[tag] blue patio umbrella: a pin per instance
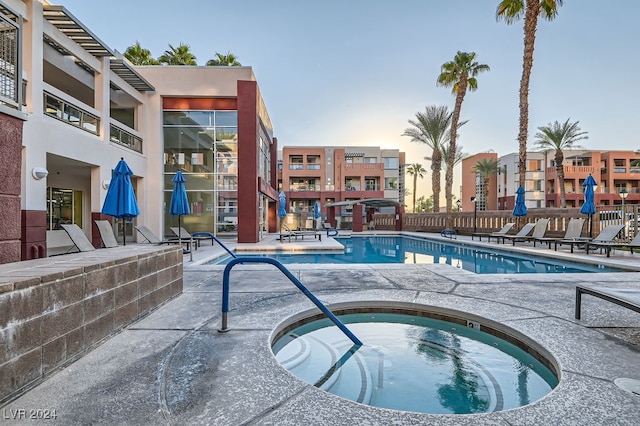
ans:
(316, 213)
(589, 206)
(179, 204)
(120, 201)
(520, 208)
(282, 207)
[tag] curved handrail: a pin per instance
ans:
(292, 278)
(213, 237)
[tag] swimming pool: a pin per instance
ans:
(401, 249)
(416, 363)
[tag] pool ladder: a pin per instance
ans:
(251, 259)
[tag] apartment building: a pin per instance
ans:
(617, 172)
(473, 193)
(71, 107)
(329, 175)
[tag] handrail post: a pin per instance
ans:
(292, 278)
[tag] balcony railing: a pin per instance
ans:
(125, 138)
(71, 114)
(303, 187)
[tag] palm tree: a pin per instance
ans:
(511, 11)
(559, 137)
(432, 128)
(459, 74)
(486, 168)
(417, 171)
(228, 60)
(138, 55)
(180, 55)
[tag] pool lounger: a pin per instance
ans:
(626, 297)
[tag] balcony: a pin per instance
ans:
(125, 138)
(70, 113)
(298, 187)
(364, 166)
(572, 172)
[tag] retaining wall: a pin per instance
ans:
(54, 310)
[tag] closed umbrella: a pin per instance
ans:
(520, 208)
(282, 201)
(316, 213)
(589, 206)
(179, 204)
(120, 201)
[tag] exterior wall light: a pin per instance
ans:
(39, 173)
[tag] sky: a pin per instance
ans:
(353, 72)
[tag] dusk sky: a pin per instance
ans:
(340, 72)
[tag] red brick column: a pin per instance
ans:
(357, 218)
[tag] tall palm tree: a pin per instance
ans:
(486, 168)
(559, 137)
(417, 171)
(459, 74)
(511, 11)
(180, 55)
(432, 128)
(138, 55)
(228, 60)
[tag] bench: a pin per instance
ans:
(625, 297)
(452, 234)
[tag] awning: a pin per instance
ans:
(369, 202)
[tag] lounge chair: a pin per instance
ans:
(523, 232)
(106, 233)
(627, 297)
(371, 226)
(635, 243)
(605, 236)
(183, 234)
(77, 236)
(506, 228)
(288, 233)
(152, 238)
(539, 230)
(574, 231)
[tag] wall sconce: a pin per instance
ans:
(105, 184)
(39, 173)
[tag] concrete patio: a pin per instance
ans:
(174, 367)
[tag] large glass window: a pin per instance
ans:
(204, 146)
(10, 68)
(64, 206)
(391, 163)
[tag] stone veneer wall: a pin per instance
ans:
(54, 310)
(10, 187)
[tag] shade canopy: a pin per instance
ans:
(282, 204)
(589, 206)
(179, 203)
(520, 208)
(120, 201)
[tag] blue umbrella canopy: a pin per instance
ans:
(520, 208)
(282, 207)
(120, 201)
(589, 206)
(179, 203)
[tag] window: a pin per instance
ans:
(370, 160)
(64, 206)
(10, 67)
(391, 163)
(534, 165)
(391, 183)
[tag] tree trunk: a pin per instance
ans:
(462, 88)
(559, 159)
(415, 184)
(436, 167)
(530, 25)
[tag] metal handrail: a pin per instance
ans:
(292, 278)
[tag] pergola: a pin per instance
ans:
(371, 205)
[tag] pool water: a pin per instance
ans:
(414, 363)
(398, 249)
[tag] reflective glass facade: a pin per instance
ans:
(204, 146)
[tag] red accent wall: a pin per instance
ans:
(95, 234)
(248, 162)
(200, 103)
(10, 188)
(33, 234)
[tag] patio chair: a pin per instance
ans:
(607, 235)
(573, 232)
(77, 236)
(539, 230)
(523, 232)
(183, 234)
(607, 246)
(288, 233)
(505, 229)
(106, 233)
(152, 238)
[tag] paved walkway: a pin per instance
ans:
(174, 367)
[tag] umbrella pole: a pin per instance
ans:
(124, 233)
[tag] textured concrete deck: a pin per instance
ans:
(174, 367)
